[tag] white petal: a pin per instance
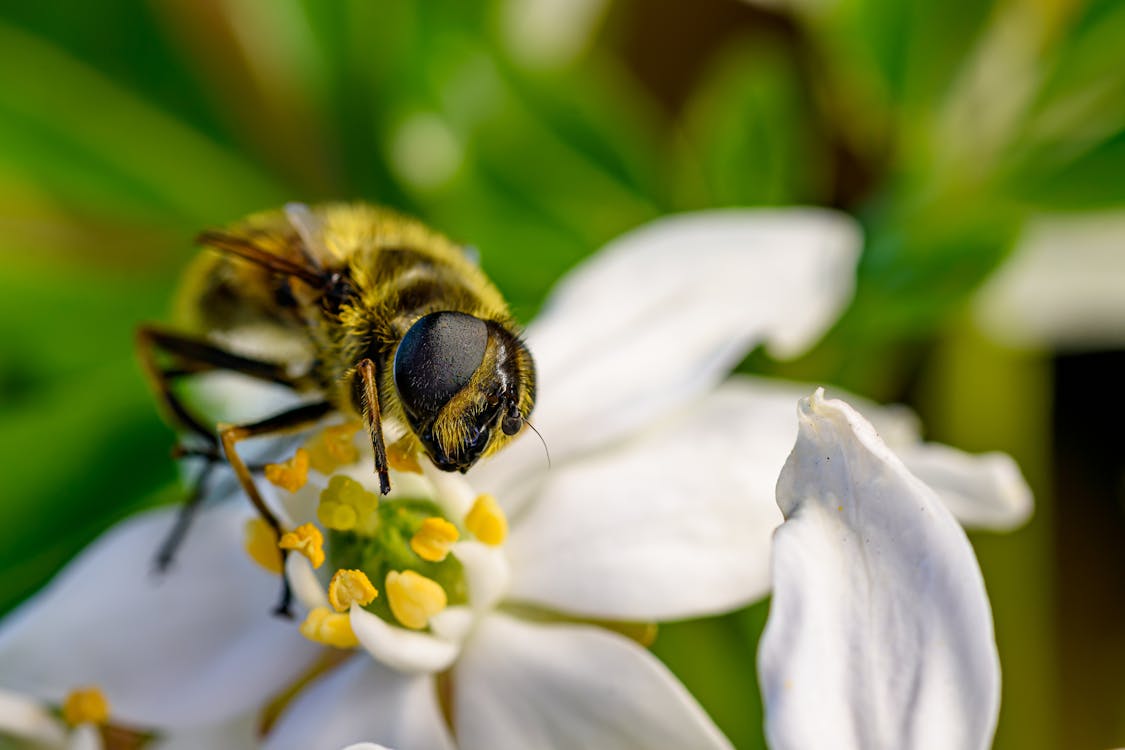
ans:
(879, 633)
(984, 491)
(84, 737)
(195, 646)
(675, 524)
(662, 314)
(365, 746)
(25, 718)
(406, 651)
(362, 701)
(1061, 288)
(487, 573)
(524, 685)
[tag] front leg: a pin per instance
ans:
(230, 435)
(369, 400)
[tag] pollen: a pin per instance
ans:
(414, 599)
(346, 506)
(487, 522)
(400, 458)
(333, 447)
(349, 587)
(307, 540)
(260, 542)
(433, 539)
(85, 706)
(290, 475)
(330, 628)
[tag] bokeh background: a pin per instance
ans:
(966, 135)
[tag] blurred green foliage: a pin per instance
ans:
(127, 126)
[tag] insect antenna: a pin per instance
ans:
(541, 440)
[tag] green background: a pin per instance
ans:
(126, 126)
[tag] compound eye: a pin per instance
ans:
(436, 358)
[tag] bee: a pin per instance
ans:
(370, 314)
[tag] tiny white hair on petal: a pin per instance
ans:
(879, 633)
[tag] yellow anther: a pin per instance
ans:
(307, 540)
(346, 506)
(414, 599)
(400, 458)
(325, 626)
(333, 447)
(487, 522)
(290, 475)
(260, 542)
(348, 587)
(85, 706)
(433, 539)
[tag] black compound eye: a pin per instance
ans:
(436, 358)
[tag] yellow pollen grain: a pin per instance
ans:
(414, 599)
(349, 587)
(487, 522)
(345, 505)
(260, 543)
(307, 540)
(330, 628)
(290, 475)
(401, 459)
(85, 706)
(333, 447)
(434, 539)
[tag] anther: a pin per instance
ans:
(85, 706)
(349, 587)
(290, 475)
(346, 506)
(307, 540)
(260, 542)
(332, 629)
(333, 447)
(414, 599)
(401, 459)
(434, 539)
(487, 522)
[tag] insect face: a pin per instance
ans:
(466, 386)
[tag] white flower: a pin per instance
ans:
(879, 633)
(659, 506)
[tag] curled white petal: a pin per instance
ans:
(487, 573)
(406, 651)
(194, 646)
(524, 685)
(661, 315)
(675, 524)
(363, 702)
(879, 633)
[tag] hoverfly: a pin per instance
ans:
(395, 322)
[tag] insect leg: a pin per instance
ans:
(230, 435)
(371, 415)
(192, 356)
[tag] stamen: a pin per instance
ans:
(346, 506)
(487, 522)
(85, 706)
(348, 587)
(325, 626)
(290, 475)
(307, 540)
(333, 447)
(433, 539)
(414, 599)
(401, 459)
(260, 542)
